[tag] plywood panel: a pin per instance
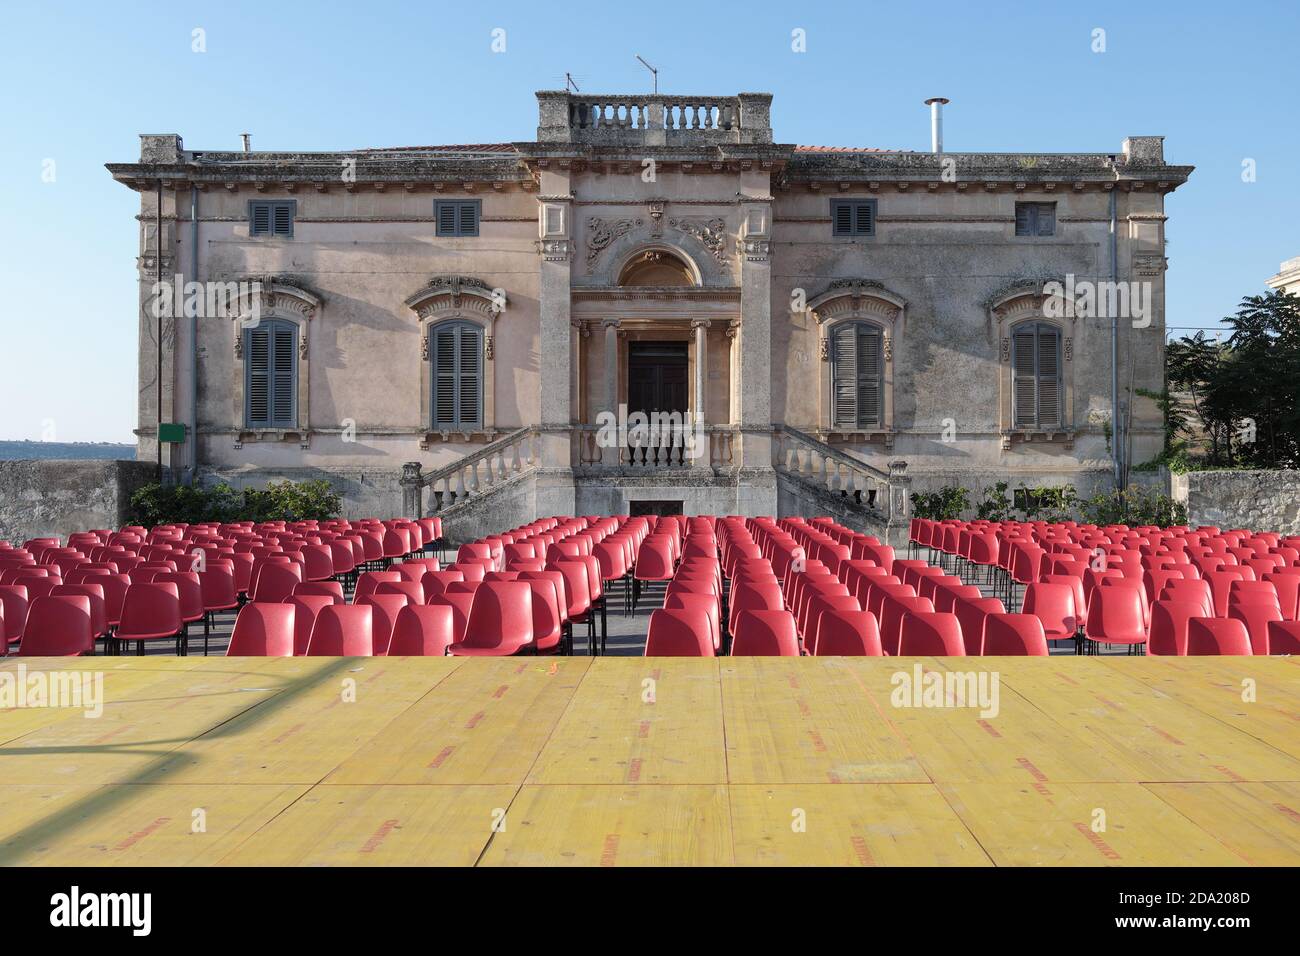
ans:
(1258, 822)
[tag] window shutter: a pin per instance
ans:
(471, 353)
(1024, 375)
(282, 379)
(257, 395)
(865, 219)
(282, 219)
(444, 370)
(843, 216)
(1046, 219)
(844, 377)
(868, 363)
(1025, 219)
(446, 219)
(1049, 376)
(468, 225)
(260, 219)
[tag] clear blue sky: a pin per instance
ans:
(79, 82)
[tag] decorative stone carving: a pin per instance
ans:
(424, 346)
(825, 344)
(602, 232)
(655, 209)
(888, 347)
(1069, 350)
(733, 328)
(1004, 354)
(302, 345)
(757, 250)
(1149, 264)
(556, 250)
(488, 347)
(710, 233)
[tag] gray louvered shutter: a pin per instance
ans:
(283, 384)
(844, 381)
(260, 219)
(1049, 376)
(282, 219)
(443, 356)
(470, 377)
(446, 219)
(1046, 219)
(1025, 219)
(257, 394)
(868, 362)
(864, 222)
(468, 224)
(843, 216)
(1024, 377)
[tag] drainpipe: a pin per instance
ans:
(194, 336)
(1116, 424)
(159, 334)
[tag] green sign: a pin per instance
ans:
(171, 432)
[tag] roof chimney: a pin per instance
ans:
(936, 104)
(247, 138)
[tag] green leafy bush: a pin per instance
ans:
(278, 501)
(947, 502)
(995, 506)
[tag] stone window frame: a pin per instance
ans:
(458, 299)
(857, 301)
(298, 307)
(1007, 312)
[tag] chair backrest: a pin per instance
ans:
(422, 631)
(817, 607)
(930, 633)
(1256, 615)
(150, 610)
(460, 603)
(765, 634)
(1284, 637)
(369, 581)
(892, 612)
(1287, 584)
(273, 582)
(971, 614)
(413, 591)
(1014, 635)
(57, 627)
(1217, 636)
(342, 630)
(263, 630)
(386, 608)
(679, 632)
(330, 589)
(847, 634)
(708, 603)
(1053, 605)
(500, 617)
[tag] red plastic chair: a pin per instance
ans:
(272, 583)
(1053, 605)
(761, 596)
(1284, 637)
(413, 591)
(1216, 636)
(342, 630)
(1169, 619)
(58, 627)
(1014, 635)
(654, 562)
(946, 598)
(765, 634)
(1257, 616)
(972, 614)
(1287, 584)
(548, 612)
(847, 634)
(892, 613)
(386, 607)
(819, 605)
(98, 609)
(1196, 590)
(369, 581)
(1115, 616)
(330, 589)
(927, 633)
(307, 607)
(263, 630)
(190, 590)
(13, 608)
(679, 632)
(707, 603)
(149, 612)
(500, 621)
(1253, 592)
(422, 631)
(436, 582)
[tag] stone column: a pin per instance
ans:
(555, 493)
(412, 490)
(757, 493)
(609, 454)
(701, 327)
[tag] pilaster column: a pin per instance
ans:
(554, 484)
(609, 455)
(701, 327)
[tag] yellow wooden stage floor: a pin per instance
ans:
(627, 761)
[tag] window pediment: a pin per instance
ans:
(447, 293)
(857, 297)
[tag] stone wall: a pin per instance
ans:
(57, 497)
(1258, 500)
(365, 492)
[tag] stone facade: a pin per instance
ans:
(634, 220)
(54, 498)
(1288, 277)
(1257, 500)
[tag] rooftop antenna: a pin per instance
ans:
(569, 82)
(651, 69)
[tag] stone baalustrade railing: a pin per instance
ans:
(653, 119)
(713, 447)
(886, 494)
(474, 475)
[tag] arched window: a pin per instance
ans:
(857, 368)
(271, 375)
(456, 356)
(1036, 375)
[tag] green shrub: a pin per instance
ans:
(278, 501)
(947, 502)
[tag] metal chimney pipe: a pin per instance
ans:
(936, 104)
(247, 138)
